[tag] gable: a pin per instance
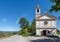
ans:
(44, 17)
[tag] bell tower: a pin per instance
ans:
(37, 11)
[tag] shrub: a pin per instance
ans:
(25, 32)
(20, 32)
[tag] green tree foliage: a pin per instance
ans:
(55, 6)
(27, 29)
(59, 17)
(24, 24)
(25, 32)
(58, 32)
(33, 27)
(20, 32)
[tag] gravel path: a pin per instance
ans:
(17, 38)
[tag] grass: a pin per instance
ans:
(58, 33)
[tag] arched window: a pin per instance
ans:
(37, 10)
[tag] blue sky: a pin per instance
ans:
(12, 10)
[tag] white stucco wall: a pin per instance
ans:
(52, 31)
(51, 24)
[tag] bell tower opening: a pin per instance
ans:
(37, 11)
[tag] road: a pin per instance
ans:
(17, 38)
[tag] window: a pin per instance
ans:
(48, 31)
(38, 10)
(45, 23)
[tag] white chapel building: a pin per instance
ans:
(45, 24)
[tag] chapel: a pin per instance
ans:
(45, 24)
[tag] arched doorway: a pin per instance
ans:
(45, 32)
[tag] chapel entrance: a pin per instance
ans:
(45, 32)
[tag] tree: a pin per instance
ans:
(25, 32)
(26, 28)
(59, 17)
(23, 24)
(33, 27)
(55, 6)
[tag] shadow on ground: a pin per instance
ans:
(47, 40)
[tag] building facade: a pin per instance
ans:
(45, 24)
